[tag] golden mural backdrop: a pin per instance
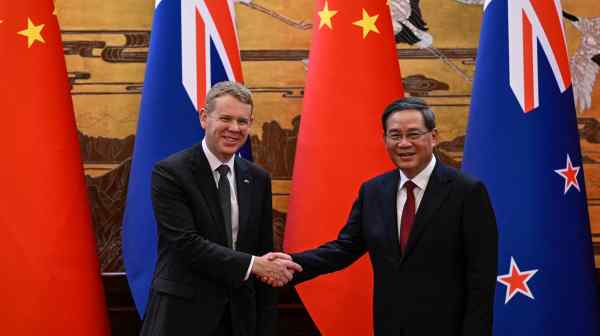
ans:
(106, 45)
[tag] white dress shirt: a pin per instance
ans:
(420, 180)
(215, 163)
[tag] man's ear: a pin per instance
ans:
(434, 136)
(203, 115)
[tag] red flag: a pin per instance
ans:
(353, 74)
(50, 283)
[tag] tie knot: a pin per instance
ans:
(223, 170)
(410, 186)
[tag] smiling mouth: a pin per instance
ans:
(231, 140)
(406, 155)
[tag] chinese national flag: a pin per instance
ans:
(50, 282)
(353, 75)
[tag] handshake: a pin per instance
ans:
(275, 268)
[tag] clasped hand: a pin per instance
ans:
(275, 268)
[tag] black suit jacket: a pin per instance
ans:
(444, 282)
(197, 276)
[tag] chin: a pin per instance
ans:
(406, 165)
(231, 148)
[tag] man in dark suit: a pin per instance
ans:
(213, 211)
(430, 232)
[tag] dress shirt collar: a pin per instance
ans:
(213, 161)
(422, 178)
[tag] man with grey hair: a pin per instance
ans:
(214, 218)
(430, 232)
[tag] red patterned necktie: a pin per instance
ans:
(408, 214)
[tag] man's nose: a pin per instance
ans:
(234, 126)
(403, 143)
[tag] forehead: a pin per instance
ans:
(229, 105)
(405, 119)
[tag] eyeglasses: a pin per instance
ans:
(410, 136)
(229, 120)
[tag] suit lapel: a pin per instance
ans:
(243, 182)
(206, 182)
(435, 193)
(389, 193)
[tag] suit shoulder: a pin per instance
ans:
(460, 177)
(387, 177)
(176, 160)
(255, 169)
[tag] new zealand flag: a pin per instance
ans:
(522, 141)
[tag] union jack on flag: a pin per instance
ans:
(209, 46)
(531, 22)
(193, 46)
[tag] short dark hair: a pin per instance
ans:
(409, 103)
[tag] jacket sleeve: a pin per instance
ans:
(481, 253)
(336, 254)
(176, 225)
(266, 296)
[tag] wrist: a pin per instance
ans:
(257, 266)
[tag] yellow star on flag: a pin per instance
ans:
(33, 33)
(367, 23)
(326, 16)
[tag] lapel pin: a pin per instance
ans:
(246, 181)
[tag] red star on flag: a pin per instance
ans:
(516, 281)
(570, 175)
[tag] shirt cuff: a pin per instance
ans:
(249, 269)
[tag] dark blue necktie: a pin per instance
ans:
(225, 200)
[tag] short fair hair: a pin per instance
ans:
(234, 89)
